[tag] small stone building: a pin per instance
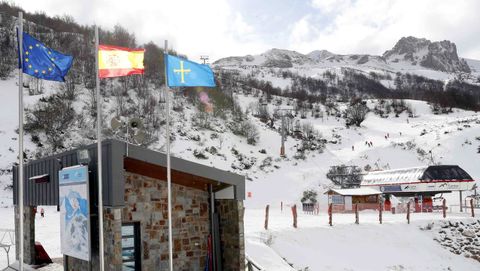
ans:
(135, 209)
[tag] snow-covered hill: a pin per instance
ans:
(424, 139)
(437, 60)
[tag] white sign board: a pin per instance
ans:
(74, 212)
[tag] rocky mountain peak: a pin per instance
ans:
(438, 55)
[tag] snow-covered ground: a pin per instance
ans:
(452, 139)
(369, 246)
(47, 232)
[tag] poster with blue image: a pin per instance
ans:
(74, 212)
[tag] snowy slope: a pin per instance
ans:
(451, 138)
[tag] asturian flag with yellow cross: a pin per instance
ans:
(42, 62)
(185, 73)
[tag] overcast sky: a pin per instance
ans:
(221, 28)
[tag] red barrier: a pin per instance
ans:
(380, 210)
(408, 212)
(356, 215)
(444, 208)
(330, 214)
(266, 216)
(471, 207)
(294, 213)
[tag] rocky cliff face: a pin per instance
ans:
(439, 55)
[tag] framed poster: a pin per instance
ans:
(74, 212)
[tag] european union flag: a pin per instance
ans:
(185, 73)
(42, 62)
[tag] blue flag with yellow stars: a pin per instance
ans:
(184, 73)
(42, 62)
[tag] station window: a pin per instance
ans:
(131, 247)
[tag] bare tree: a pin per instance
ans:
(355, 114)
(345, 176)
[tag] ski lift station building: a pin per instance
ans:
(426, 180)
(420, 182)
(207, 204)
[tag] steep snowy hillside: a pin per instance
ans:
(451, 138)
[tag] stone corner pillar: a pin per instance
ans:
(28, 233)
(231, 233)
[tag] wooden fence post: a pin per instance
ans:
(408, 212)
(356, 214)
(294, 213)
(266, 216)
(471, 206)
(330, 211)
(380, 210)
(444, 208)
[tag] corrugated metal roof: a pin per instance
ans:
(415, 175)
(395, 176)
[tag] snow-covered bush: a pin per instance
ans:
(438, 108)
(242, 161)
(52, 116)
(267, 162)
(246, 129)
(356, 113)
(309, 196)
(200, 154)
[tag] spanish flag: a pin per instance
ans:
(114, 61)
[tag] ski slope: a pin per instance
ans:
(450, 138)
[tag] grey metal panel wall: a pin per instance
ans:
(117, 177)
(47, 193)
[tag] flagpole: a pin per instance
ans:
(169, 177)
(20, 178)
(99, 155)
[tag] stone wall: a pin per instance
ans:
(146, 202)
(231, 234)
(28, 233)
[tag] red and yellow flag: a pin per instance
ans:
(114, 61)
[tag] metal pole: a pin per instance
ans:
(169, 177)
(20, 135)
(99, 157)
